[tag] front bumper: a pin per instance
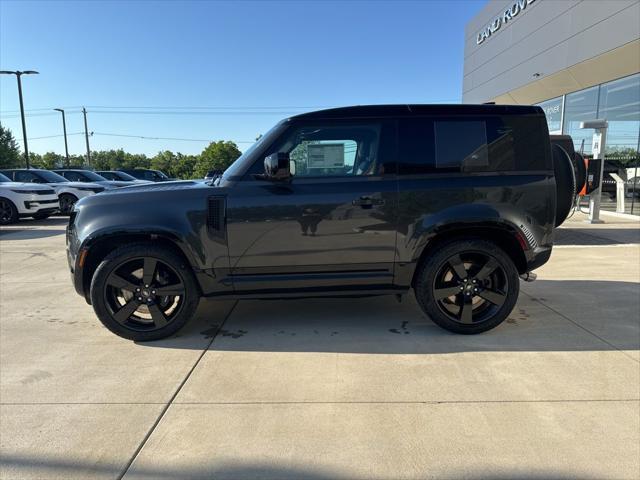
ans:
(73, 254)
(36, 204)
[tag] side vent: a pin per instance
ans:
(216, 216)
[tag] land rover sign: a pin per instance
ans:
(509, 14)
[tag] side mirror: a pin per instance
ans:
(276, 167)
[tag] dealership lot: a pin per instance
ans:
(331, 388)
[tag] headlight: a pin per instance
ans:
(24, 191)
(90, 189)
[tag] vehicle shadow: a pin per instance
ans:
(28, 229)
(595, 236)
(22, 465)
(554, 316)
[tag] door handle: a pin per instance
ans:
(365, 201)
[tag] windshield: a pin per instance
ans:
(161, 174)
(93, 176)
(50, 177)
(4, 178)
(122, 176)
(240, 165)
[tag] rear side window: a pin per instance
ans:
(461, 143)
(472, 144)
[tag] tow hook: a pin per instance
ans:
(528, 277)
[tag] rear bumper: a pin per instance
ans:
(538, 257)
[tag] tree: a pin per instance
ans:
(49, 160)
(185, 166)
(217, 156)
(9, 152)
(165, 161)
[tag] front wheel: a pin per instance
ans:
(143, 292)
(8, 212)
(468, 286)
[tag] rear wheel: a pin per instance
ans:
(142, 292)
(8, 212)
(468, 286)
(67, 201)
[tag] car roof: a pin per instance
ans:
(405, 110)
(25, 170)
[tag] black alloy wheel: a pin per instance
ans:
(8, 212)
(67, 201)
(468, 286)
(144, 292)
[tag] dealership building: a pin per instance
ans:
(578, 59)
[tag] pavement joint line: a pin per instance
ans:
(580, 326)
(346, 402)
(173, 397)
(615, 245)
(415, 402)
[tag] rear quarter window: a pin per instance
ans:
(473, 144)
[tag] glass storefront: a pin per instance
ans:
(553, 110)
(618, 102)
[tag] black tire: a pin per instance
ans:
(142, 315)
(485, 268)
(566, 188)
(8, 212)
(41, 216)
(67, 201)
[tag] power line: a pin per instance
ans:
(175, 112)
(185, 110)
(143, 137)
(216, 107)
(54, 136)
(182, 108)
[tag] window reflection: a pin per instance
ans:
(620, 105)
(580, 107)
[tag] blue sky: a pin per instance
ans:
(218, 70)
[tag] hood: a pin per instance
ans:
(115, 183)
(25, 186)
(76, 184)
(155, 186)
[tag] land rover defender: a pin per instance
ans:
(454, 202)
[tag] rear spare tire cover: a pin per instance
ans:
(565, 183)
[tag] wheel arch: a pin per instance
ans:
(11, 202)
(506, 237)
(99, 247)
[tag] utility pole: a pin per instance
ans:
(19, 74)
(64, 129)
(86, 136)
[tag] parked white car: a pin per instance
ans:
(68, 192)
(25, 200)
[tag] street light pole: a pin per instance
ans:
(86, 136)
(18, 75)
(64, 129)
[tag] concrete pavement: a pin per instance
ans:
(326, 388)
